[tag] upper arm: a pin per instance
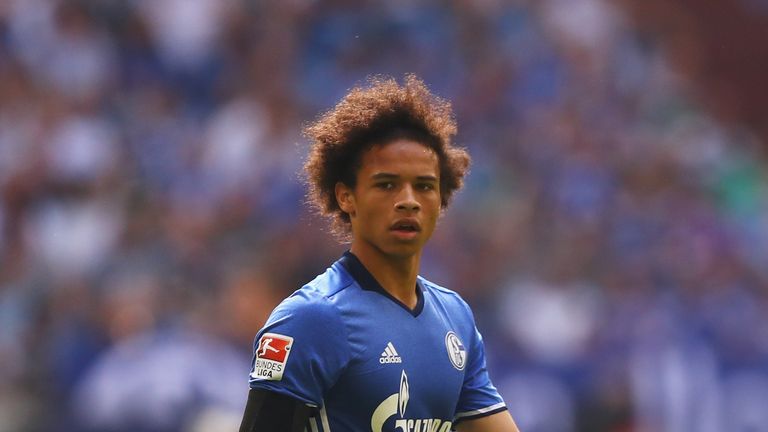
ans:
(480, 406)
(301, 351)
(478, 396)
(266, 411)
(499, 422)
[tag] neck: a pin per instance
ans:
(397, 275)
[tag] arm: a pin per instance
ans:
(272, 412)
(499, 422)
(481, 407)
(295, 361)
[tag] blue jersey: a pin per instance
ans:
(368, 363)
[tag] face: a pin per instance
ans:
(396, 203)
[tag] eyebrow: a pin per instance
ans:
(390, 176)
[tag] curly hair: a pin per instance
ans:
(381, 112)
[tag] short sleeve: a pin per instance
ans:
(478, 396)
(302, 349)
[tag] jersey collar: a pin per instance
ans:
(367, 282)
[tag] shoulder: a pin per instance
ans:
(315, 301)
(445, 296)
(330, 283)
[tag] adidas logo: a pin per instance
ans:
(390, 355)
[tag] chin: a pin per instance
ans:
(403, 250)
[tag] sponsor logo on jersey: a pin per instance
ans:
(271, 355)
(395, 405)
(390, 355)
(456, 351)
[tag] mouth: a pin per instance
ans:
(406, 226)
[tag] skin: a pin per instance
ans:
(400, 180)
(499, 422)
(397, 181)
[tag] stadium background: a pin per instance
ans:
(611, 238)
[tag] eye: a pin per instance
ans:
(425, 186)
(385, 185)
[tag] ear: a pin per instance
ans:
(345, 198)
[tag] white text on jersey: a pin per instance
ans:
(390, 355)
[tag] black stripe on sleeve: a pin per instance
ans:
(480, 415)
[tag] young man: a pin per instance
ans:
(369, 345)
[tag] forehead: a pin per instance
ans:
(401, 157)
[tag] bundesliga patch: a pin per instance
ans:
(271, 356)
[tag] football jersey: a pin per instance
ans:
(344, 345)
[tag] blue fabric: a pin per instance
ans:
(355, 347)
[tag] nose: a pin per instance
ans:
(406, 200)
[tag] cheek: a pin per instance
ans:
(433, 214)
(433, 203)
(372, 210)
(433, 219)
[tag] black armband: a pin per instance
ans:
(268, 411)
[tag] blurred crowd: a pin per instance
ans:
(611, 236)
